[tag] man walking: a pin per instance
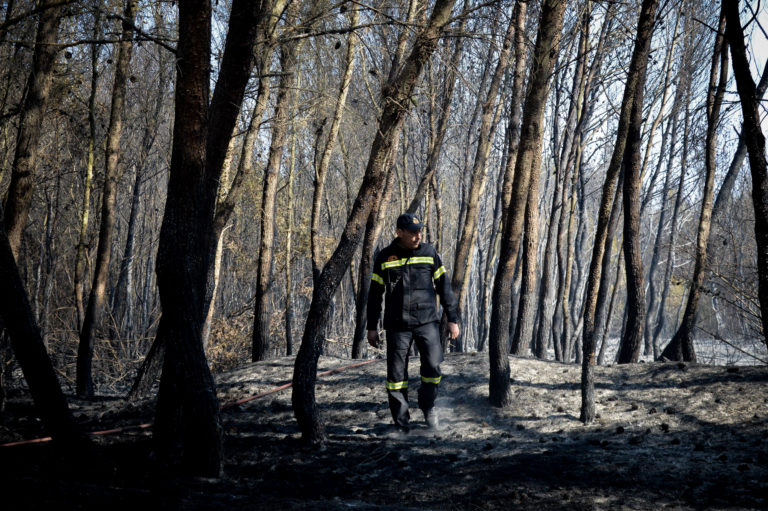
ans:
(410, 274)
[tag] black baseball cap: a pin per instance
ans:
(409, 222)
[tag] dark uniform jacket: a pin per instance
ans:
(411, 280)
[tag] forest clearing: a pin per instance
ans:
(668, 436)
(204, 200)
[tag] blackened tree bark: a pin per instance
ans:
(755, 140)
(27, 344)
(632, 340)
(516, 99)
(395, 98)
(93, 312)
(187, 430)
(373, 227)
(31, 117)
(603, 305)
(635, 80)
(729, 181)
(529, 152)
(187, 433)
(507, 177)
(681, 346)
(247, 21)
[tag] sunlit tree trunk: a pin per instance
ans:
(85, 213)
(465, 246)
(93, 312)
(289, 314)
(325, 159)
(286, 91)
(31, 116)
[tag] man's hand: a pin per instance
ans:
(373, 338)
(453, 330)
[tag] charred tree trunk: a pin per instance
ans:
(529, 153)
(395, 100)
(187, 431)
(602, 307)
(632, 339)
(373, 228)
(755, 145)
(681, 347)
(508, 175)
(726, 189)
(27, 344)
(523, 337)
(635, 80)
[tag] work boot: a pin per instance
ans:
(431, 418)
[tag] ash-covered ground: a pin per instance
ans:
(678, 436)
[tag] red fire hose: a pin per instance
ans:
(223, 407)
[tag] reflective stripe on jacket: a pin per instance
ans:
(410, 280)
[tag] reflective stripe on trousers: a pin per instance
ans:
(427, 339)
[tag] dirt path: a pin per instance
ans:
(683, 437)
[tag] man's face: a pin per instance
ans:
(408, 239)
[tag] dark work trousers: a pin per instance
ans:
(427, 339)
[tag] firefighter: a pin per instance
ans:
(410, 274)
